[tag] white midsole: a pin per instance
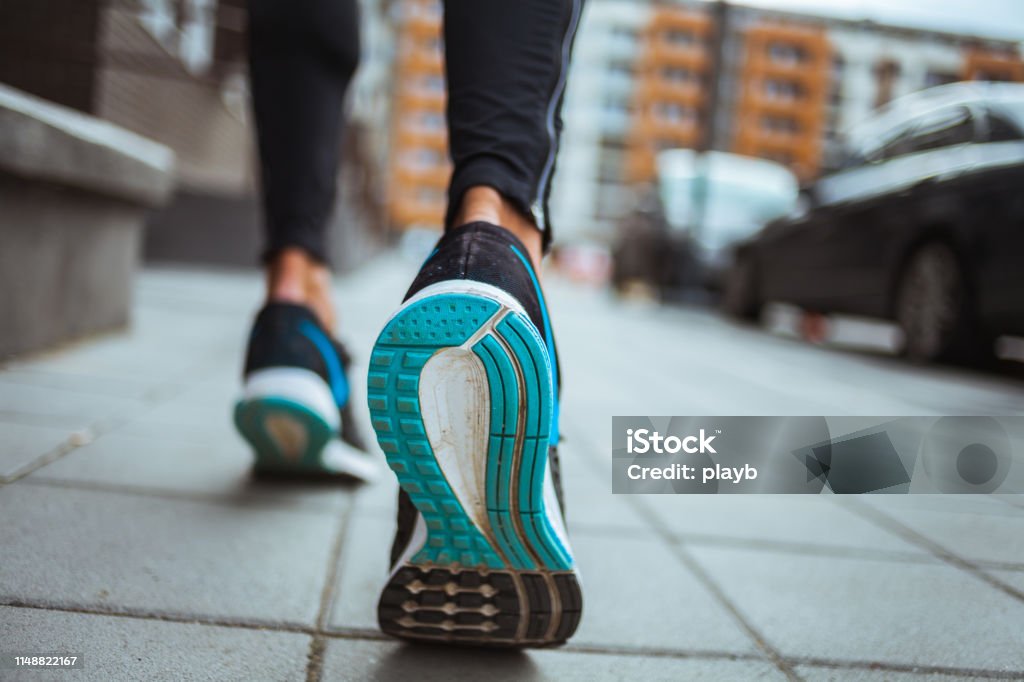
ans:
(340, 457)
(302, 386)
(464, 286)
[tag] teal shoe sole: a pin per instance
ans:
(511, 560)
(286, 436)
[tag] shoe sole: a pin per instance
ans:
(289, 419)
(492, 570)
(286, 436)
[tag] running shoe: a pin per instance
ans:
(295, 410)
(462, 389)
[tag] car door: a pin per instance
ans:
(855, 209)
(1000, 224)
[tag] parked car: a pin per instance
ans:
(922, 224)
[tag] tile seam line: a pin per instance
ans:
(317, 643)
(922, 669)
(785, 547)
(162, 616)
(160, 393)
(852, 553)
(782, 547)
(898, 528)
(163, 495)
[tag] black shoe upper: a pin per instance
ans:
(486, 253)
(290, 335)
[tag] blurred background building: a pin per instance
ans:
(175, 72)
(758, 82)
(646, 76)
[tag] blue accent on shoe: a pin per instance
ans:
(335, 372)
(519, 527)
(548, 338)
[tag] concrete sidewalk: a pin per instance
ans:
(132, 534)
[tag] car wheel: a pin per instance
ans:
(741, 298)
(933, 306)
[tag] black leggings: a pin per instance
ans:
(506, 64)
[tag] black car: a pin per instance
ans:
(922, 224)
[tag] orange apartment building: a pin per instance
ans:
(778, 93)
(782, 91)
(781, 73)
(671, 90)
(419, 139)
(993, 65)
(784, 86)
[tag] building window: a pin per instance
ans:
(782, 90)
(994, 76)
(185, 28)
(431, 83)
(786, 53)
(421, 158)
(671, 112)
(784, 158)
(779, 125)
(681, 38)
(429, 195)
(430, 121)
(934, 78)
(677, 75)
(434, 45)
(887, 72)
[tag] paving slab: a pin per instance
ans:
(219, 472)
(121, 387)
(115, 648)
(21, 444)
(53, 407)
(590, 505)
(156, 424)
(362, 571)
(629, 584)
(637, 594)
(158, 354)
(394, 661)
(811, 520)
(380, 497)
(870, 610)
(119, 552)
(963, 504)
(994, 535)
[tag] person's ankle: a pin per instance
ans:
(485, 204)
(293, 276)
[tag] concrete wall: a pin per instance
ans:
(74, 191)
